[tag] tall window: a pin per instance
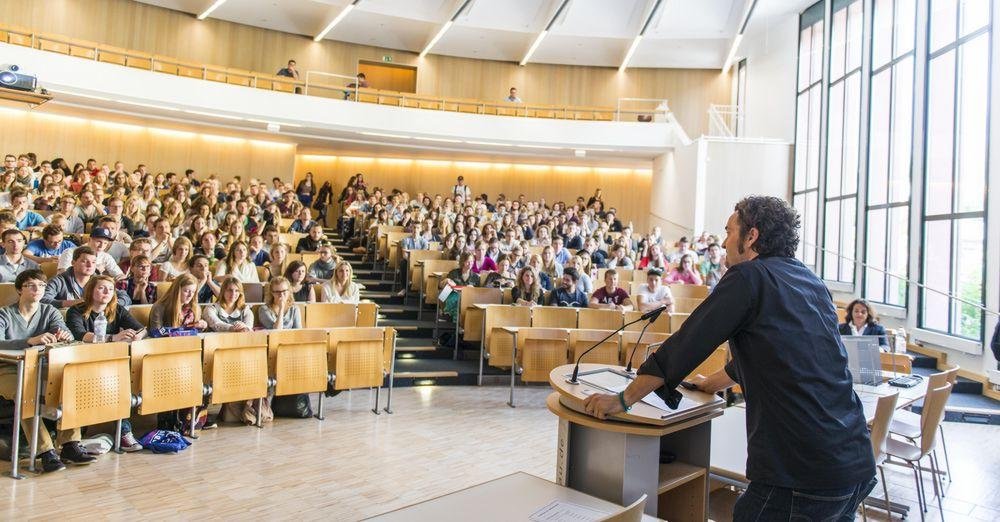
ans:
(842, 143)
(954, 213)
(889, 151)
(805, 193)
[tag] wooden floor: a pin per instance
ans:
(356, 464)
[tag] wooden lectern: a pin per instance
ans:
(618, 459)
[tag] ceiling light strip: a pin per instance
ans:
(739, 36)
(638, 37)
(340, 17)
(215, 5)
(444, 28)
(541, 35)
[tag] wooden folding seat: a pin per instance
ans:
(357, 358)
(139, 60)
(448, 105)
(282, 84)
(8, 294)
(297, 361)
(191, 71)
(387, 98)
(263, 274)
(166, 65)
(540, 350)
(367, 314)
(686, 305)
(660, 325)
(235, 367)
(469, 322)
(676, 320)
(141, 313)
(89, 384)
(469, 106)
(692, 291)
(331, 315)
(215, 74)
(19, 37)
(430, 287)
(414, 266)
(506, 111)
(639, 275)
(407, 101)
(646, 345)
(109, 54)
(51, 43)
(553, 317)
(167, 375)
(600, 319)
(714, 363)
(604, 115)
(50, 268)
(608, 352)
(162, 287)
(240, 77)
(291, 239)
(292, 256)
(896, 362)
(433, 105)
(498, 345)
(309, 258)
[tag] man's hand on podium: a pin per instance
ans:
(601, 405)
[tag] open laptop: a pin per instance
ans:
(863, 358)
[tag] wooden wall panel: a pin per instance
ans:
(77, 139)
(143, 27)
(625, 189)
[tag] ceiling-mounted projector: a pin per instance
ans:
(11, 78)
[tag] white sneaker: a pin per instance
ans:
(129, 444)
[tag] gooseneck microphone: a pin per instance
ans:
(648, 316)
(651, 316)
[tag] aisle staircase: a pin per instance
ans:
(420, 361)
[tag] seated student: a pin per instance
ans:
(142, 246)
(209, 246)
(654, 258)
(303, 222)
(278, 254)
(13, 261)
(341, 288)
(66, 288)
(208, 289)
(862, 320)
(311, 242)
(463, 275)
(560, 253)
(100, 241)
(180, 256)
(258, 254)
(29, 322)
(100, 297)
(118, 246)
(550, 266)
(237, 263)
(162, 238)
(654, 294)
(178, 306)
(527, 292)
(480, 262)
(593, 251)
(619, 258)
(279, 311)
(417, 241)
(504, 277)
(611, 296)
(24, 219)
(229, 313)
(139, 285)
(303, 291)
(583, 283)
(535, 261)
(67, 207)
(567, 294)
(49, 246)
(322, 269)
(713, 267)
(685, 273)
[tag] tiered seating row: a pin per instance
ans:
(88, 384)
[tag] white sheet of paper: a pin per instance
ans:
(562, 511)
(606, 380)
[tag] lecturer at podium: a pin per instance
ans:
(809, 454)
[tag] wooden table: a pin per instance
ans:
(729, 435)
(506, 499)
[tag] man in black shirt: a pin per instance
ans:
(807, 436)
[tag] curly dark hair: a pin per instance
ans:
(777, 225)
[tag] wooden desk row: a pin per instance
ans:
(87, 384)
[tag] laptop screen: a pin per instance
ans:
(863, 358)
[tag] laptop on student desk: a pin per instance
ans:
(863, 359)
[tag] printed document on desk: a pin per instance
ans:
(562, 511)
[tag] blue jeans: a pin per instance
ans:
(761, 502)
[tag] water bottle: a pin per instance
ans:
(100, 328)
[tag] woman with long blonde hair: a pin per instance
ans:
(279, 311)
(279, 258)
(99, 297)
(177, 264)
(341, 288)
(178, 306)
(237, 263)
(229, 313)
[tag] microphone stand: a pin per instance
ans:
(648, 316)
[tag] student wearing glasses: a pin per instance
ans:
(279, 311)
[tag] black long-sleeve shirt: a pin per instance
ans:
(805, 425)
(79, 324)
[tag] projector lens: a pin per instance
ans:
(8, 78)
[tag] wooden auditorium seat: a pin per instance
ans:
(8, 294)
(235, 367)
(331, 315)
(660, 325)
(497, 345)
(540, 350)
(676, 320)
(167, 374)
(693, 291)
(686, 305)
(608, 352)
(646, 345)
(356, 358)
(553, 317)
(367, 314)
(297, 361)
(599, 319)
(141, 313)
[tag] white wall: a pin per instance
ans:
(736, 169)
(770, 47)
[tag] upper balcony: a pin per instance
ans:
(114, 80)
